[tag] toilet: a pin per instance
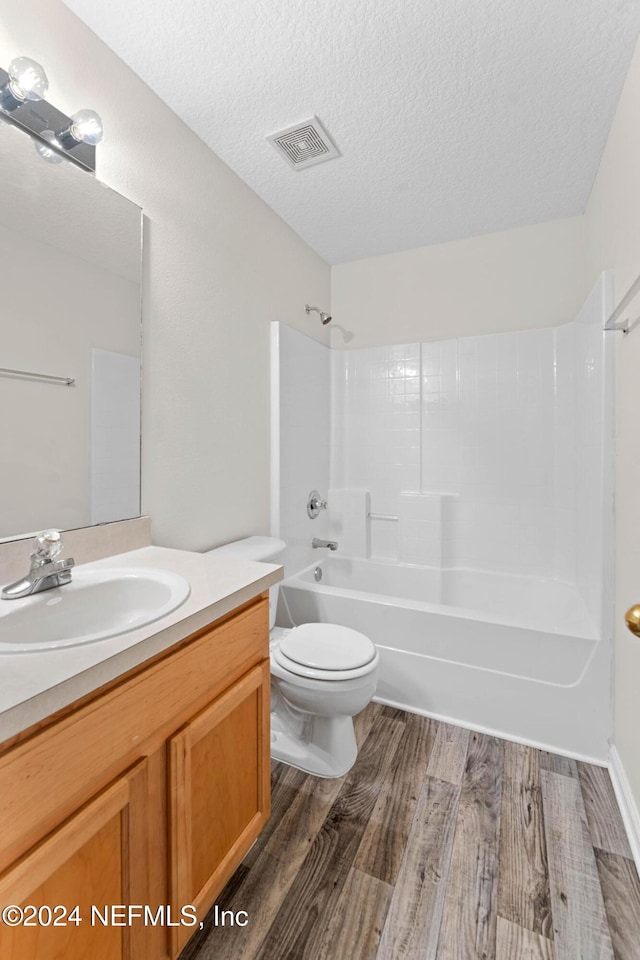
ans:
(322, 674)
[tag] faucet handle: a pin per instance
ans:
(315, 504)
(47, 545)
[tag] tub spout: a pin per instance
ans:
(330, 544)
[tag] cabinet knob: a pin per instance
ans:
(632, 619)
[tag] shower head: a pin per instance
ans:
(324, 317)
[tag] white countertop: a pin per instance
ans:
(34, 685)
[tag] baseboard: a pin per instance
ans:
(627, 804)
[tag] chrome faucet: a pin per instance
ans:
(45, 572)
(315, 504)
(329, 544)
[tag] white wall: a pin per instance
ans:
(613, 240)
(218, 266)
(301, 427)
(514, 280)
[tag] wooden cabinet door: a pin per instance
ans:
(219, 793)
(97, 858)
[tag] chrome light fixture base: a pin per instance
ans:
(38, 117)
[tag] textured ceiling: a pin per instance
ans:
(453, 117)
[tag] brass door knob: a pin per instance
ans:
(632, 619)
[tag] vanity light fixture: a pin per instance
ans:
(25, 80)
(22, 90)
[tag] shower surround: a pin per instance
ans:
(471, 495)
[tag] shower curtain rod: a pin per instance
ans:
(630, 295)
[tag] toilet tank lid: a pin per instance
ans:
(251, 548)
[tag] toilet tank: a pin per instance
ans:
(262, 549)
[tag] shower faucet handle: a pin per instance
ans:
(315, 504)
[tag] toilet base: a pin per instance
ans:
(327, 748)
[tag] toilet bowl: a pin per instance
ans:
(322, 674)
(315, 696)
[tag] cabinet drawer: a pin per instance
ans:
(45, 778)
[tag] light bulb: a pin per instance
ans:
(86, 127)
(51, 156)
(27, 79)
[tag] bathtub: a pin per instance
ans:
(514, 656)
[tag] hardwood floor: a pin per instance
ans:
(439, 844)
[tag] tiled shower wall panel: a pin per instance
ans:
(593, 453)
(376, 440)
(509, 424)
(504, 517)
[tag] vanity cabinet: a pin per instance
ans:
(217, 801)
(148, 792)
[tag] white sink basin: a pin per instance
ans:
(97, 604)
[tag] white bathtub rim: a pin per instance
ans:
(381, 562)
(464, 613)
(295, 582)
(499, 673)
(492, 732)
(441, 610)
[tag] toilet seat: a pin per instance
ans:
(326, 651)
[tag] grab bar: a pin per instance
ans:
(68, 381)
(382, 516)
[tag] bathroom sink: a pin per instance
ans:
(97, 604)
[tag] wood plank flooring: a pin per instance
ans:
(439, 844)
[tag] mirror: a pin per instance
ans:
(70, 255)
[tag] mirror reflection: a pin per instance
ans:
(70, 250)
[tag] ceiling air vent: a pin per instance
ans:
(304, 144)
